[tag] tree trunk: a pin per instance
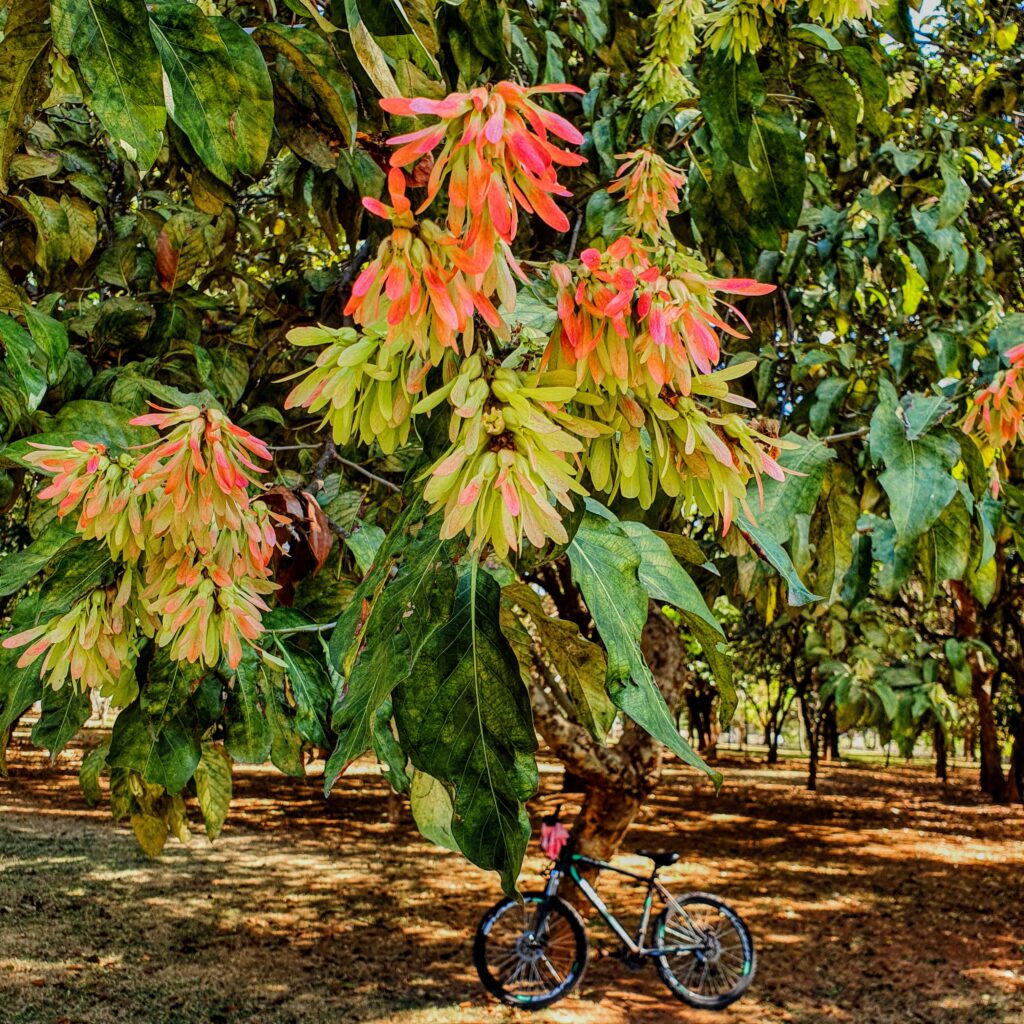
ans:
(812, 723)
(605, 818)
(830, 733)
(773, 747)
(1015, 781)
(993, 781)
(939, 742)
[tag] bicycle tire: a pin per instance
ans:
(500, 957)
(724, 968)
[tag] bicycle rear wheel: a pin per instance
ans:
(525, 969)
(709, 958)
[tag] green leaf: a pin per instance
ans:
(945, 549)
(604, 566)
(116, 56)
(768, 548)
(23, 67)
(364, 542)
(729, 92)
(817, 35)
(832, 533)
(921, 412)
(246, 730)
(665, 580)
(798, 493)
(831, 91)
(642, 701)
(221, 93)
(316, 61)
(432, 810)
(164, 753)
(64, 712)
(390, 754)
(310, 689)
(51, 338)
(465, 718)
(774, 180)
(213, 787)
(150, 833)
(874, 88)
(18, 568)
(580, 664)
(20, 688)
(956, 194)
(168, 685)
(20, 348)
(411, 599)
(93, 765)
(917, 475)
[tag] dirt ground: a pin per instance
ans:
(883, 899)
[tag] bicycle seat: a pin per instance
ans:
(661, 858)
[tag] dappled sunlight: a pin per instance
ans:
(309, 910)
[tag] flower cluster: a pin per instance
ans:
(661, 77)
(628, 396)
(511, 459)
(737, 25)
(635, 316)
(996, 415)
(651, 188)
(182, 513)
(94, 644)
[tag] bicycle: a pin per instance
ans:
(532, 954)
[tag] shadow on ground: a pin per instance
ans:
(885, 899)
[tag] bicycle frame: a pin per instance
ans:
(568, 865)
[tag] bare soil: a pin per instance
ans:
(886, 898)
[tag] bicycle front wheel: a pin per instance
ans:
(526, 966)
(708, 960)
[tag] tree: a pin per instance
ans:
(535, 436)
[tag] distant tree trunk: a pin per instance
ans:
(992, 779)
(939, 742)
(773, 746)
(812, 726)
(830, 730)
(704, 728)
(1015, 780)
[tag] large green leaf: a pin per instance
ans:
(111, 43)
(213, 787)
(956, 193)
(316, 61)
(729, 92)
(18, 568)
(832, 533)
(831, 91)
(412, 599)
(604, 567)
(581, 665)
(26, 37)
(774, 182)
(917, 476)
(221, 93)
(310, 690)
(246, 729)
(20, 351)
(769, 549)
(464, 716)
(665, 580)
(20, 688)
(64, 712)
(164, 752)
(945, 550)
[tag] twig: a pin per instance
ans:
(329, 452)
(314, 627)
(372, 476)
(575, 235)
(849, 435)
